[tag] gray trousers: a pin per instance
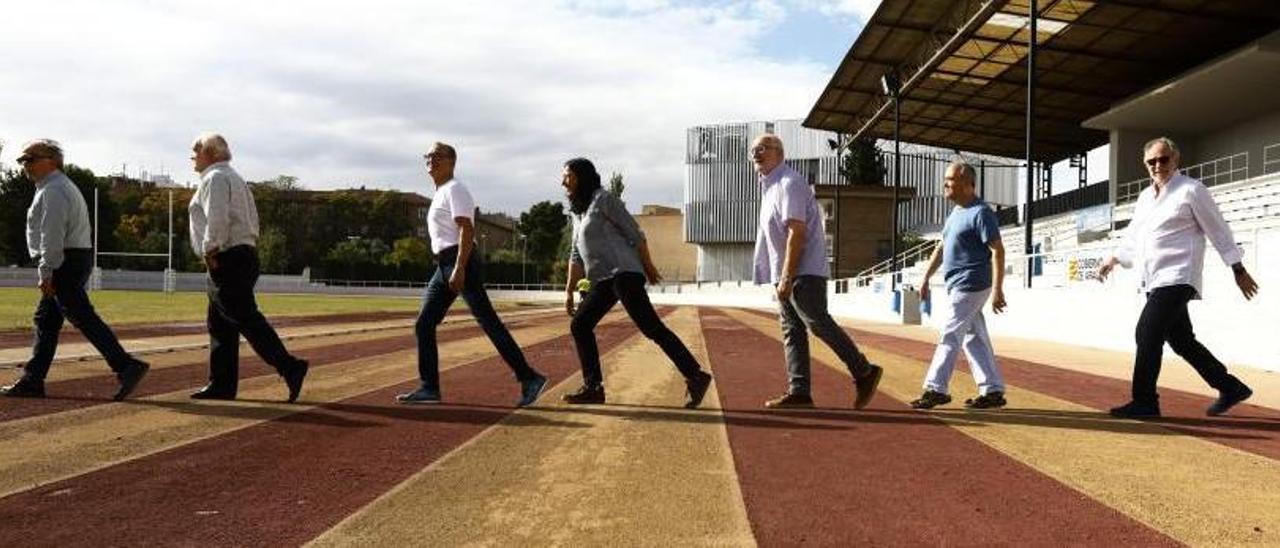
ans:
(807, 310)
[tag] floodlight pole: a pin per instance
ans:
(897, 179)
(1031, 110)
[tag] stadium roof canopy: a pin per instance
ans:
(962, 65)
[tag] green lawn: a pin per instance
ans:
(123, 307)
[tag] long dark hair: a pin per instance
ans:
(588, 183)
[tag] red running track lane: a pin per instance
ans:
(1248, 428)
(884, 475)
(97, 390)
(285, 481)
(22, 338)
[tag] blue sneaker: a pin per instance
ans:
(530, 390)
(420, 396)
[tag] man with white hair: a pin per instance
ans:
(58, 236)
(224, 230)
(791, 254)
(1165, 242)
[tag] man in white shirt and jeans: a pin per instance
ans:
(1165, 241)
(224, 230)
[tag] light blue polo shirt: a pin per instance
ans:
(966, 251)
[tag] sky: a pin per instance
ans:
(345, 94)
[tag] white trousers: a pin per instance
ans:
(965, 328)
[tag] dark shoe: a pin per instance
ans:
(130, 378)
(1227, 401)
(990, 400)
(586, 394)
(1135, 410)
(24, 388)
(530, 390)
(211, 393)
(293, 378)
(790, 401)
(421, 396)
(865, 386)
(930, 399)
(697, 387)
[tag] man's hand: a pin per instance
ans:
(1245, 282)
(569, 306)
(46, 287)
(1105, 269)
(924, 290)
(457, 280)
(784, 289)
(211, 260)
(997, 301)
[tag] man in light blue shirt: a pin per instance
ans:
(970, 237)
(58, 237)
(791, 254)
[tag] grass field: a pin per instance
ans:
(125, 307)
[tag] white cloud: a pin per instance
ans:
(344, 93)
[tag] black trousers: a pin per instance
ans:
(71, 302)
(234, 312)
(1165, 319)
(627, 287)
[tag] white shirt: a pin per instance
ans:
(223, 214)
(1166, 237)
(58, 219)
(452, 200)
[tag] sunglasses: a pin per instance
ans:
(1158, 160)
(26, 159)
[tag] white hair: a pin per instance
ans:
(966, 168)
(1167, 142)
(214, 144)
(773, 139)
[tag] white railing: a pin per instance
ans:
(1227, 169)
(907, 258)
(1271, 158)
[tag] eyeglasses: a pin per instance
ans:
(761, 148)
(27, 159)
(1160, 160)
(435, 156)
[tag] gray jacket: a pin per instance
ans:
(606, 238)
(58, 219)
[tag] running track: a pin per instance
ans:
(347, 466)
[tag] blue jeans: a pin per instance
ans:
(806, 311)
(70, 301)
(437, 301)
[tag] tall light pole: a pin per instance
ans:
(1031, 167)
(892, 86)
(524, 254)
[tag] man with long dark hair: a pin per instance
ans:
(610, 251)
(450, 223)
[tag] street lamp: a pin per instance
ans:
(892, 87)
(524, 253)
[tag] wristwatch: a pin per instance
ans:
(1238, 268)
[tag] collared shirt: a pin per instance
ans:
(606, 238)
(1165, 239)
(786, 195)
(452, 200)
(223, 214)
(58, 219)
(966, 246)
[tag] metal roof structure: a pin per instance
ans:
(962, 65)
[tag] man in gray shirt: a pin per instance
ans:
(58, 237)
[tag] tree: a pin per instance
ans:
(616, 185)
(862, 163)
(410, 256)
(543, 225)
(273, 250)
(356, 257)
(15, 197)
